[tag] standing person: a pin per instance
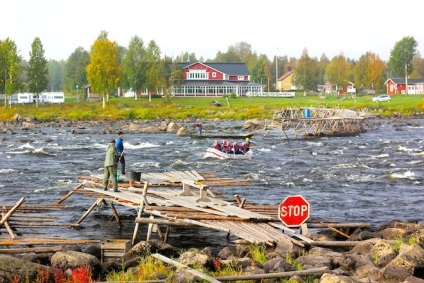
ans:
(199, 127)
(120, 149)
(110, 168)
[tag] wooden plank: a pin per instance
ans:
(12, 210)
(31, 250)
(292, 232)
(192, 176)
(199, 177)
(186, 268)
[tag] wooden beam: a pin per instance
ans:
(8, 228)
(139, 212)
(31, 250)
(188, 269)
(161, 222)
(115, 213)
(88, 211)
(312, 271)
(17, 205)
(70, 193)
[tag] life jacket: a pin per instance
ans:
(218, 147)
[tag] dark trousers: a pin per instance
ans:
(122, 161)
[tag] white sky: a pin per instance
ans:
(271, 27)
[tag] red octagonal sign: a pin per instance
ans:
(293, 211)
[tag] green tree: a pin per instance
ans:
(75, 70)
(10, 82)
(369, 71)
(322, 66)
(134, 65)
(418, 65)
(104, 72)
(338, 71)
(401, 56)
(154, 73)
(305, 74)
(37, 69)
(258, 73)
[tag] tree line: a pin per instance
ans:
(141, 67)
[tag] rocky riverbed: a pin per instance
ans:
(391, 253)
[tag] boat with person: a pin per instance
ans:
(214, 153)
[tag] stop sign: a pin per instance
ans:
(293, 211)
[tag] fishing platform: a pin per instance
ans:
(308, 122)
(160, 201)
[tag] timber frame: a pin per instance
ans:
(167, 199)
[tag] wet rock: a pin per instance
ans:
(227, 252)
(183, 132)
(409, 262)
(366, 235)
(331, 278)
(13, 268)
(194, 258)
(382, 253)
(72, 260)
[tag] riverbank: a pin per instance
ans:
(390, 253)
(205, 108)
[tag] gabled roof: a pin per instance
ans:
(283, 77)
(231, 69)
(402, 81)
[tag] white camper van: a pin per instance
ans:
(52, 97)
(26, 97)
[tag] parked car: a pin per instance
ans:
(382, 98)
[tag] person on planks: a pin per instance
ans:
(110, 167)
(120, 149)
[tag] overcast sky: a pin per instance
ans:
(206, 27)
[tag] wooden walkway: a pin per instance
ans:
(162, 200)
(186, 199)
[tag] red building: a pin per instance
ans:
(215, 79)
(398, 86)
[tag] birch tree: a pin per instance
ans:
(104, 72)
(10, 69)
(37, 70)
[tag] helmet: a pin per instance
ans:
(247, 139)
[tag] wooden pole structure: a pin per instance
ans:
(115, 213)
(149, 230)
(8, 228)
(188, 269)
(285, 274)
(89, 210)
(139, 212)
(335, 230)
(7, 216)
(168, 230)
(62, 199)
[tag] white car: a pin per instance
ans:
(382, 98)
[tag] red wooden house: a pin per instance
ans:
(214, 79)
(398, 86)
(349, 88)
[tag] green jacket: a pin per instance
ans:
(112, 155)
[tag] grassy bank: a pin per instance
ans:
(239, 108)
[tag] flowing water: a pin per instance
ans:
(373, 177)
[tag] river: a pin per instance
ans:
(373, 177)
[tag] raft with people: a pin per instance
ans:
(228, 150)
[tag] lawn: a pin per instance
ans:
(238, 108)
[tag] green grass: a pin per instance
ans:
(240, 108)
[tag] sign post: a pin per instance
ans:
(293, 211)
